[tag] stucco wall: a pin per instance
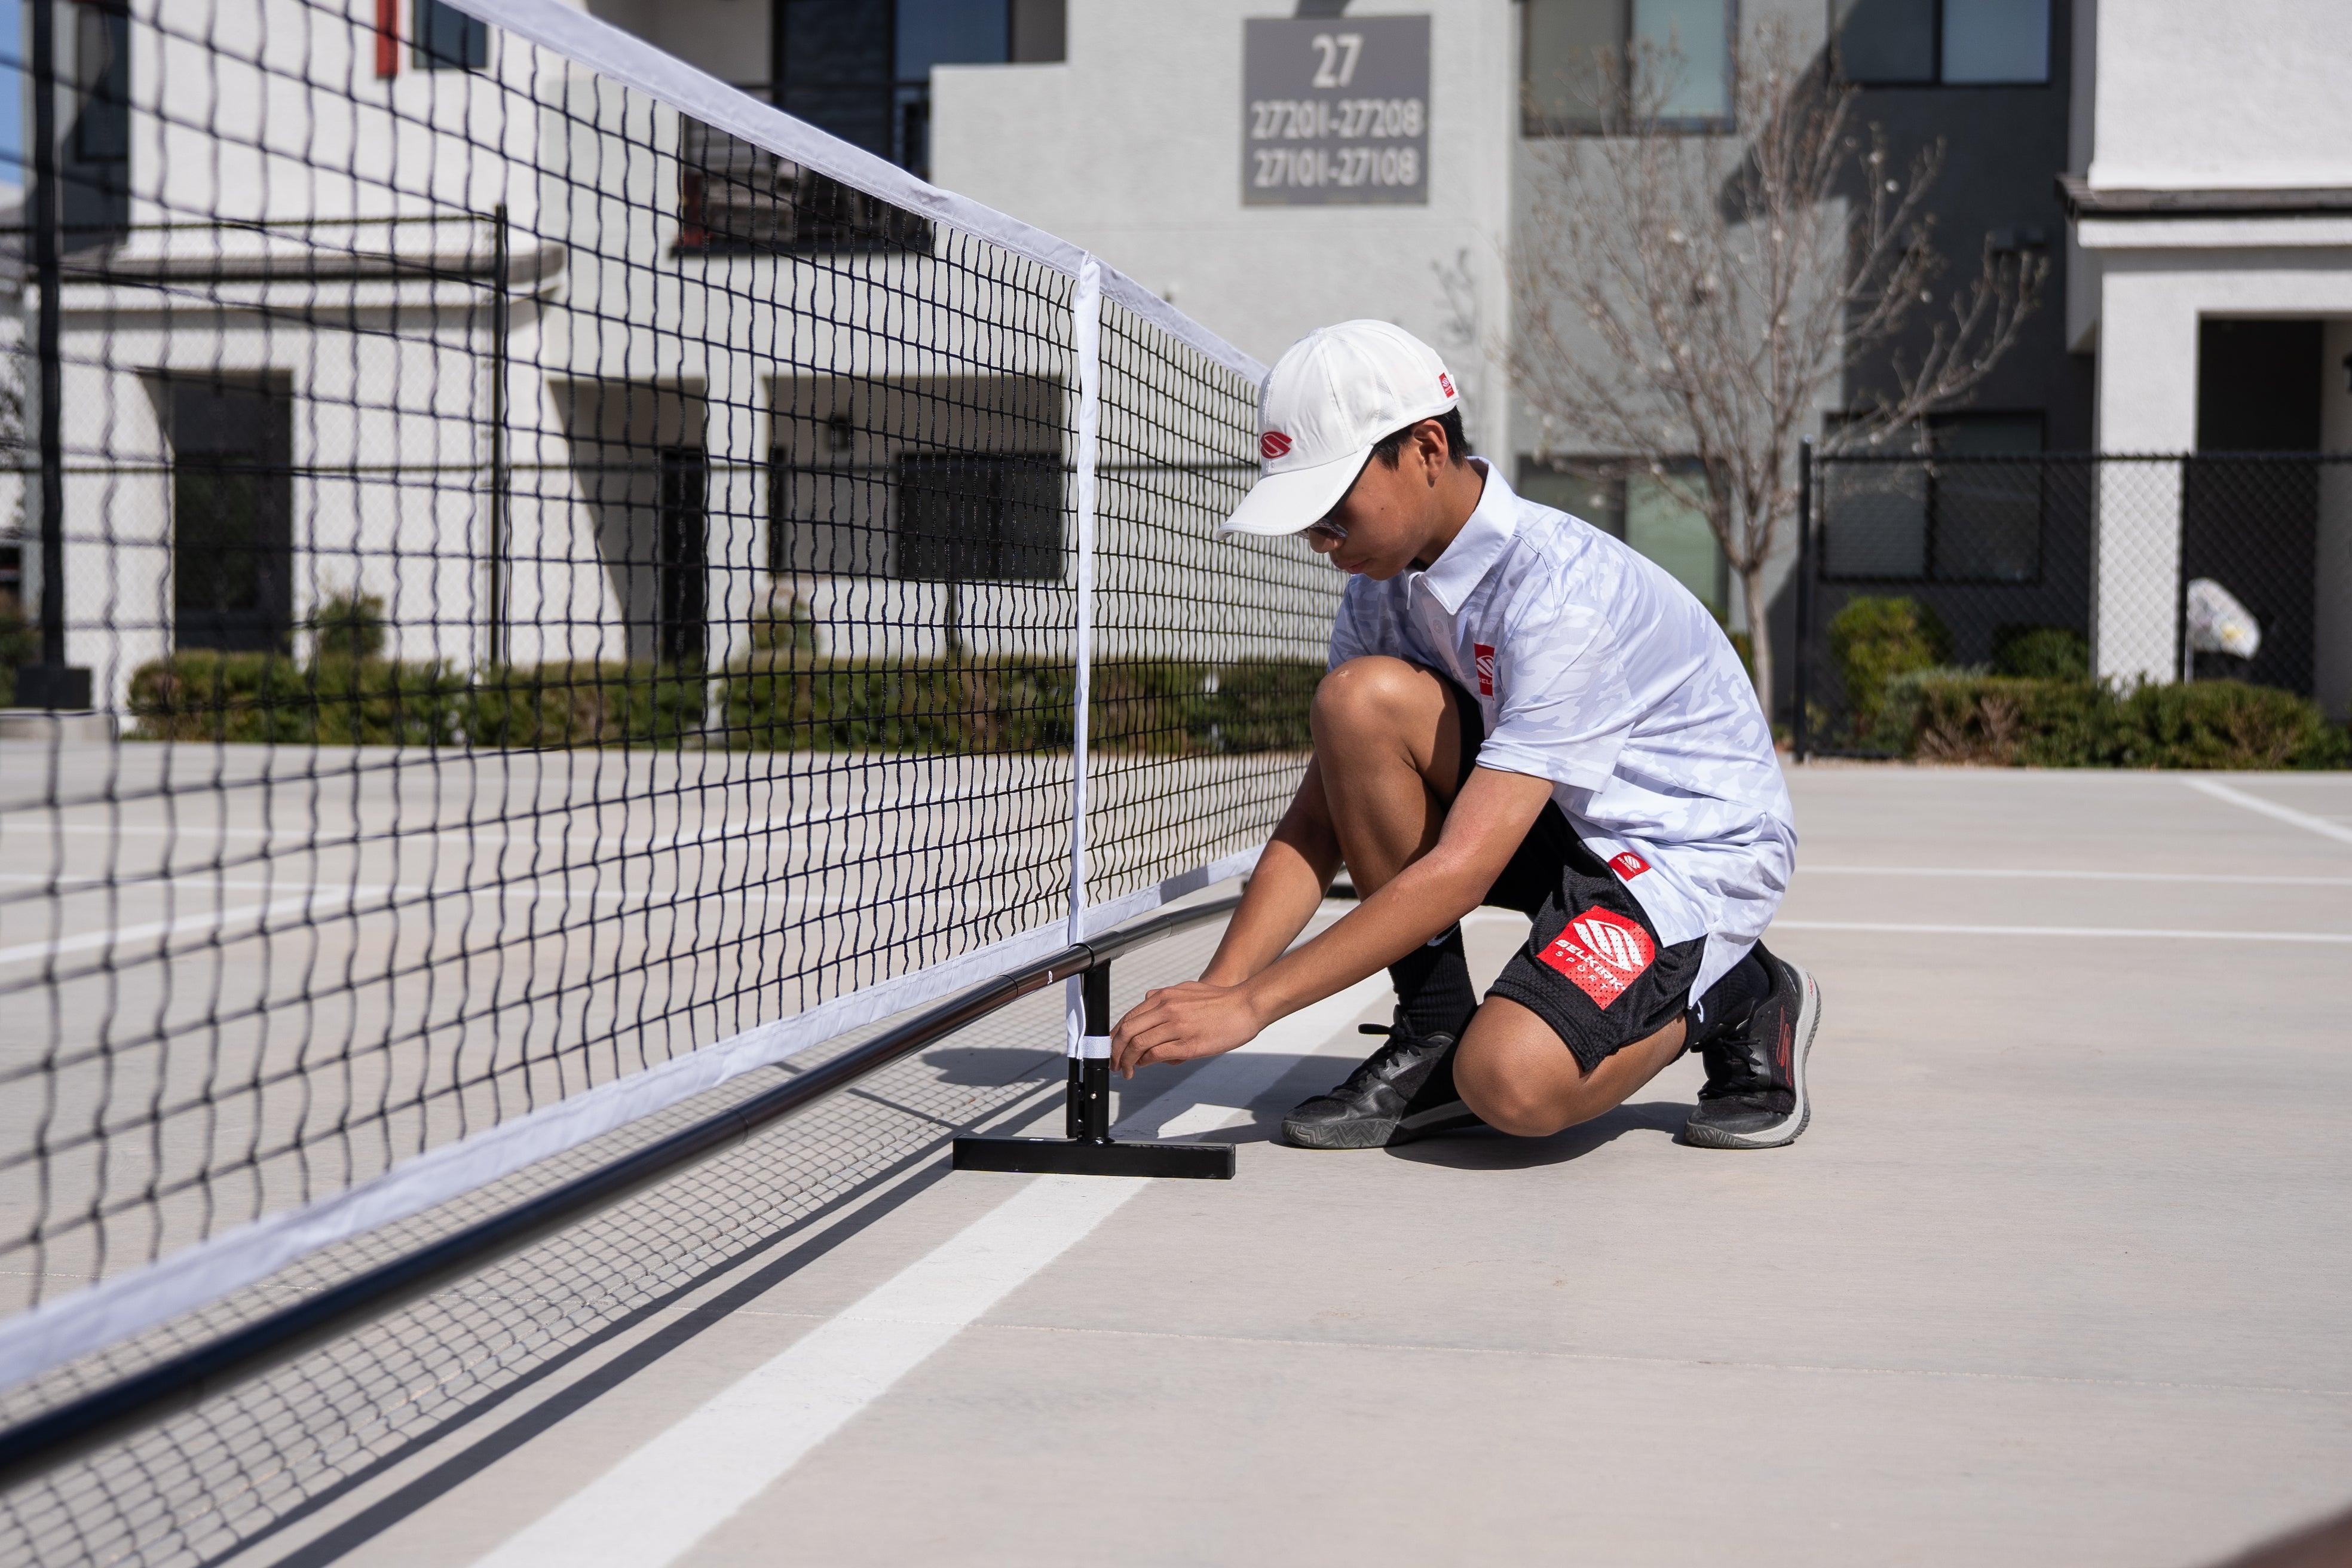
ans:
(2190, 93)
(1132, 149)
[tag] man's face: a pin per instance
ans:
(1386, 518)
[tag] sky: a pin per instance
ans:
(12, 94)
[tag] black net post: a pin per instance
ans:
(1088, 1112)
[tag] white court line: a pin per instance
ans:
(2207, 934)
(204, 919)
(2045, 874)
(2287, 814)
(660, 1499)
(350, 908)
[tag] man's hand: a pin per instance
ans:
(1177, 1023)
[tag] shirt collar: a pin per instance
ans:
(1463, 563)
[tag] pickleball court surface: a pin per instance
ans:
(2056, 1277)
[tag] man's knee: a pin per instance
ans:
(1509, 1097)
(1371, 694)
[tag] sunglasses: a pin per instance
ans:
(1327, 531)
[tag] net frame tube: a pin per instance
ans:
(57, 1437)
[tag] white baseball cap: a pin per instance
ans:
(1330, 399)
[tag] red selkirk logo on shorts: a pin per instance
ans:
(1602, 952)
(1486, 660)
(1627, 865)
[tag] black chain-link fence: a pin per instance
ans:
(2128, 570)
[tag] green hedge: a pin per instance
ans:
(1873, 642)
(787, 700)
(782, 699)
(267, 698)
(1961, 716)
(585, 703)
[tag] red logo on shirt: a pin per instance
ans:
(1486, 658)
(1602, 952)
(1627, 865)
(1273, 445)
(1445, 384)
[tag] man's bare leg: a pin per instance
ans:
(1388, 745)
(1513, 1070)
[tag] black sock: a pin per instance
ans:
(1730, 1000)
(1433, 987)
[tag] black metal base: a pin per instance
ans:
(1079, 1157)
(59, 688)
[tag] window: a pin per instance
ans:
(94, 171)
(1952, 43)
(862, 68)
(448, 39)
(232, 511)
(1582, 61)
(976, 517)
(681, 582)
(1645, 514)
(1920, 521)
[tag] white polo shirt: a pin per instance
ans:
(1595, 670)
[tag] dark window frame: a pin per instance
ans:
(1618, 472)
(681, 558)
(1002, 556)
(1536, 127)
(1935, 81)
(1929, 459)
(204, 462)
(426, 18)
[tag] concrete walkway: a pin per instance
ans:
(2058, 1276)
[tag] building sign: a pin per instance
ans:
(1335, 111)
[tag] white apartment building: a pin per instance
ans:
(2209, 184)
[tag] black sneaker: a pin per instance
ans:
(1755, 1095)
(1402, 1091)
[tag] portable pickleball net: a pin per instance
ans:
(572, 615)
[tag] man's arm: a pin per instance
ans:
(1285, 890)
(1487, 820)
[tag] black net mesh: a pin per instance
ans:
(559, 585)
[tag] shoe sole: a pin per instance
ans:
(1367, 1134)
(1441, 1119)
(1783, 1134)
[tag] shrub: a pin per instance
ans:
(267, 699)
(1959, 716)
(19, 644)
(350, 627)
(2228, 724)
(790, 701)
(585, 703)
(2040, 653)
(1872, 640)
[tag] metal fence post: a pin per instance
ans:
(49, 684)
(1802, 674)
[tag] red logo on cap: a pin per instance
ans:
(1273, 445)
(1445, 384)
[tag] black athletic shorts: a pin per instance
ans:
(1593, 967)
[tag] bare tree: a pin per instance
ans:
(1685, 296)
